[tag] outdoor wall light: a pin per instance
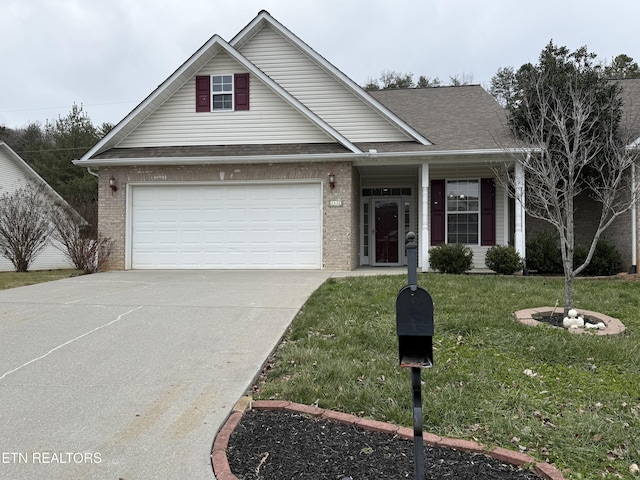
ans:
(112, 184)
(332, 180)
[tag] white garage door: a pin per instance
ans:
(226, 226)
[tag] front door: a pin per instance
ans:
(386, 228)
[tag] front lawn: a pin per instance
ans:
(14, 279)
(573, 400)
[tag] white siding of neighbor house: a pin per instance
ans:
(13, 177)
(313, 86)
(502, 222)
(269, 120)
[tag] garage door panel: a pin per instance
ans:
(230, 226)
(307, 237)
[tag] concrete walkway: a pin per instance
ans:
(129, 375)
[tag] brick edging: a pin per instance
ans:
(222, 471)
(613, 325)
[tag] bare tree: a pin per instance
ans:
(460, 80)
(575, 141)
(25, 226)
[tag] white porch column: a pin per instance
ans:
(519, 237)
(425, 212)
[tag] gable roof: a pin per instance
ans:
(264, 18)
(29, 173)
(187, 71)
(208, 51)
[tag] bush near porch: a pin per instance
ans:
(544, 257)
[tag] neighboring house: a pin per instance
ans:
(258, 153)
(16, 174)
(623, 232)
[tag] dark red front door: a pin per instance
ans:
(387, 213)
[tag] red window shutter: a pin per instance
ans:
(438, 212)
(203, 93)
(488, 212)
(241, 91)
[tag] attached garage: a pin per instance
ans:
(230, 226)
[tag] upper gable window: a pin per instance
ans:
(222, 92)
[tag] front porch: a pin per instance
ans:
(453, 202)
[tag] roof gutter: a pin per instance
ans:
(320, 157)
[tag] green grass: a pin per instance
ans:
(14, 279)
(578, 407)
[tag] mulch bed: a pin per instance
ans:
(557, 318)
(281, 445)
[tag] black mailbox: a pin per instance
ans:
(414, 318)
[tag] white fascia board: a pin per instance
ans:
(157, 97)
(357, 158)
(182, 75)
(246, 33)
(216, 160)
(37, 178)
(290, 99)
(30, 172)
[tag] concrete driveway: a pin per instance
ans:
(129, 375)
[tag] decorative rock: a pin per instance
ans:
(590, 325)
(567, 322)
(573, 313)
(610, 325)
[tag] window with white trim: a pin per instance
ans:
(222, 92)
(463, 211)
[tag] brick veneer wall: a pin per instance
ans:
(339, 223)
(586, 219)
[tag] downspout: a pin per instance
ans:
(634, 212)
(92, 173)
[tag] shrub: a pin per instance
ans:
(73, 237)
(543, 253)
(454, 258)
(24, 226)
(503, 259)
(606, 259)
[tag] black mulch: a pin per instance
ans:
(277, 445)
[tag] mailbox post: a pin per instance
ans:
(414, 324)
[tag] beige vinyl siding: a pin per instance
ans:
(13, 177)
(314, 87)
(269, 120)
(502, 234)
(49, 259)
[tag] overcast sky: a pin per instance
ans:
(109, 55)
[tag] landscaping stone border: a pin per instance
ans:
(222, 471)
(614, 326)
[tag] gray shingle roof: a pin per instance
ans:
(452, 118)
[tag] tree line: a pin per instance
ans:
(50, 148)
(622, 66)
